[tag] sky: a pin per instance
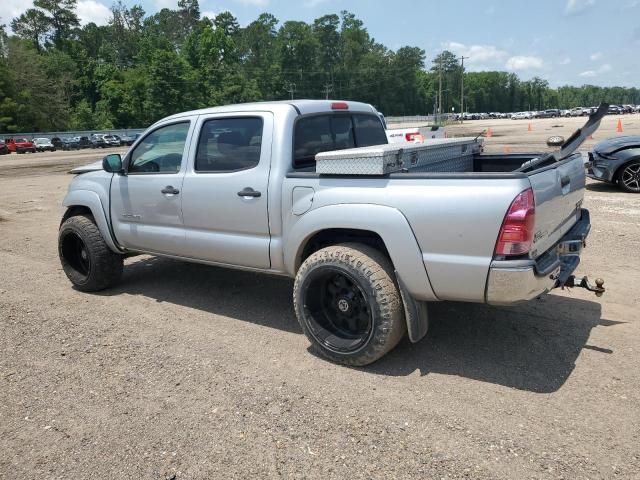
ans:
(567, 42)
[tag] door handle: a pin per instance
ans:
(564, 181)
(249, 192)
(169, 190)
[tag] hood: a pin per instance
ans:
(613, 145)
(92, 167)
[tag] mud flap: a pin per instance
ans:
(415, 314)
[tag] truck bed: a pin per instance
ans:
(481, 163)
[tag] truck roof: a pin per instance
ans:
(302, 106)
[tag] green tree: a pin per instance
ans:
(32, 25)
(259, 51)
(62, 18)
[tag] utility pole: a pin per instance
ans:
(327, 88)
(439, 87)
(291, 88)
(462, 89)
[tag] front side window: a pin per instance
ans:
(229, 144)
(161, 151)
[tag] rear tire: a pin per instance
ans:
(348, 304)
(86, 259)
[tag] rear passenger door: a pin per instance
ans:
(224, 204)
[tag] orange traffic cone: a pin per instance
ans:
(619, 129)
(489, 133)
(530, 128)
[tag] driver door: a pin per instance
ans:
(146, 203)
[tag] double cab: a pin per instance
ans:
(236, 186)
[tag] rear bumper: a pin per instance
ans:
(514, 281)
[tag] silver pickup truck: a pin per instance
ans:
(236, 186)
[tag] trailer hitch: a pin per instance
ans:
(586, 284)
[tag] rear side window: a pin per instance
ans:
(369, 130)
(323, 133)
(229, 145)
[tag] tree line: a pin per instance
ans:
(56, 74)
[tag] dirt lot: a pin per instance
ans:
(186, 371)
(514, 135)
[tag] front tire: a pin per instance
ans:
(348, 304)
(86, 259)
(629, 177)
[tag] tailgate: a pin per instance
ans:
(558, 191)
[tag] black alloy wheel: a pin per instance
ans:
(75, 253)
(339, 315)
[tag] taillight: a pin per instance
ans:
(410, 137)
(516, 234)
(339, 106)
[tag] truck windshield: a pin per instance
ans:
(327, 132)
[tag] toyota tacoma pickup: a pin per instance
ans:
(236, 186)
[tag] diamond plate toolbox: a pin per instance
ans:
(435, 155)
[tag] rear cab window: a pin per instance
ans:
(334, 131)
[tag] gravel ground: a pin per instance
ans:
(186, 371)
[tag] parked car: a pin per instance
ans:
(617, 160)
(43, 144)
(522, 116)
(97, 141)
(129, 139)
(83, 141)
(70, 143)
(57, 142)
(576, 112)
(20, 145)
(414, 134)
(551, 113)
(614, 110)
(367, 252)
(111, 140)
(3, 148)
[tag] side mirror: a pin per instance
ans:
(112, 163)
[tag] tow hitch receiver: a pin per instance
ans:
(584, 283)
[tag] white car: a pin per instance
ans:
(43, 145)
(522, 116)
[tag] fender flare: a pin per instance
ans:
(388, 222)
(91, 200)
(626, 157)
(398, 237)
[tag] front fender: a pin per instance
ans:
(624, 157)
(389, 223)
(91, 200)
